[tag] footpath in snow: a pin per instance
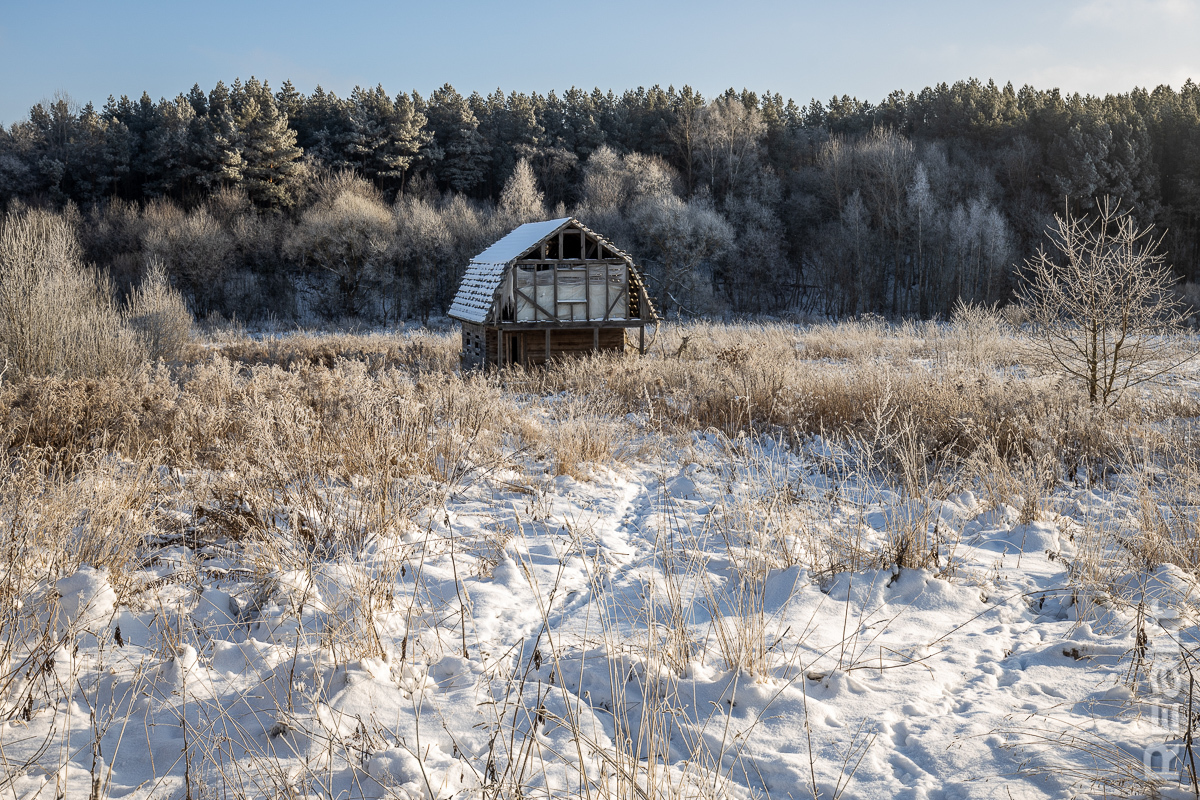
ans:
(714, 626)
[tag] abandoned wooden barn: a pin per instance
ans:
(548, 289)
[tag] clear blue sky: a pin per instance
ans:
(801, 49)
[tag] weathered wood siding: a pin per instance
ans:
(569, 342)
(493, 351)
(474, 345)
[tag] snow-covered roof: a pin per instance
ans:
(518, 241)
(475, 293)
(486, 270)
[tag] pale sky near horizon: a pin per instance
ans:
(800, 49)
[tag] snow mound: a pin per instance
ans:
(86, 600)
(433, 776)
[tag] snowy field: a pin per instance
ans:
(548, 587)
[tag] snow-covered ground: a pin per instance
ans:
(707, 622)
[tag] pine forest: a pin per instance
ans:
(262, 203)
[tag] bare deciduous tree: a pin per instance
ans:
(1101, 310)
(681, 241)
(422, 248)
(521, 198)
(728, 138)
(613, 181)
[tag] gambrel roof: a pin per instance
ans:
(486, 272)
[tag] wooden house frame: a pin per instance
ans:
(548, 289)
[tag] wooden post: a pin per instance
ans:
(524, 352)
(607, 300)
(587, 287)
(625, 286)
(642, 340)
(547, 346)
(595, 338)
(554, 308)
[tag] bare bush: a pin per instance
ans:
(158, 315)
(980, 332)
(194, 248)
(57, 317)
(1103, 311)
(347, 237)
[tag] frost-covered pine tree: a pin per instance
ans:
(215, 144)
(169, 150)
(456, 130)
(386, 136)
(272, 170)
(521, 198)
(288, 100)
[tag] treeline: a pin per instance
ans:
(262, 202)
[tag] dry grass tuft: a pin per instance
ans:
(419, 353)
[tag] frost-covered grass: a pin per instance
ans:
(847, 560)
